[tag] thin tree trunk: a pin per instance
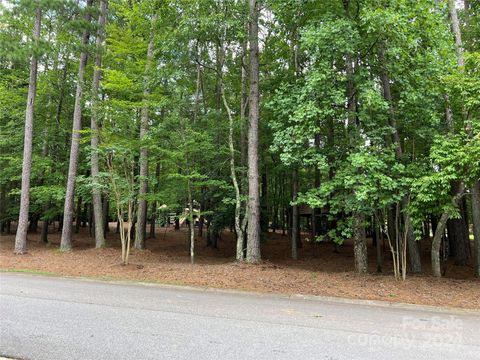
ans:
(191, 227)
(66, 240)
(142, 191)
(44, 236)
(78, 215)
(253, 236)
(21, 235)
(153, 219)
(315, 211)
(378, 245)
(105, 212)
(413, 249)
(96, 193)
(154, 203)
(243, 109)
(3, 207)
(295, 234)
(240, 224)
(439, 232)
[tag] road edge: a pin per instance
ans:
(246, 292)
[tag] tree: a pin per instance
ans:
(66, 240)
(21, 235)
(141, 229)
(95, 172)
(253, 232)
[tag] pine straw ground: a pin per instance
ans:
(166, 260)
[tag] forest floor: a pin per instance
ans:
(166, 260)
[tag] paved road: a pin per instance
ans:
(56, 318)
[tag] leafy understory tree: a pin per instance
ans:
(120, 164)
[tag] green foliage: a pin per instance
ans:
(323, 106)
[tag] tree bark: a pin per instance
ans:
(66, 239)
(21, 235)
(295, 233)
(456, 32)
(141, 229)
(94, 168)
(253, 236)
(360, 244)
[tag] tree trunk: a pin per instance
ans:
(153, 218)
(141, 229)
(295, 234)
(44, 236)
(105, 212)
(360, 244)
(413, 250)
(456, 32)
(240, 224)
(458, 233)
(439, 232)
(191, 227)
(378, 245)
(96, 193)
(253, 236)
(21, 235)
(78, 215)
(3, 207)
(154, 203)
(436, 244)
(316, 211)
(243, 109)
(66, 240)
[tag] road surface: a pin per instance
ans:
(58, 318)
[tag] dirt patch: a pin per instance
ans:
(318, 271)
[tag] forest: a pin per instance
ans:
(328, 122)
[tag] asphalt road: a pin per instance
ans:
(57, 318)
